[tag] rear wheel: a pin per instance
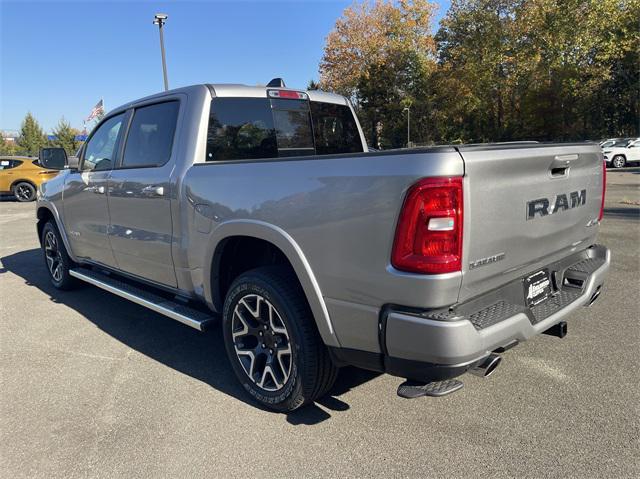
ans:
(56, 258)
(24, 191)
(619, 161)
(272, 341)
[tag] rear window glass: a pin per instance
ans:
(293, 132)
(241, 128)
(335, 130)
(255, 128)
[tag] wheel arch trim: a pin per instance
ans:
(53, 211)
(294, 254)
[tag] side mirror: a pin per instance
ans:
(53, 158)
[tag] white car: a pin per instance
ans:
(620, 156)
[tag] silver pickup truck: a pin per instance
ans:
(262, 208)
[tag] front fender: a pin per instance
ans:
(281, 239)
(53, 211)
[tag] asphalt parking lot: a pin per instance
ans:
(94, 386)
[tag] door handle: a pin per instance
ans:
(99, 190)
(153, 190)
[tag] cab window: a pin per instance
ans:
(334, 129)
(102, 147)
(241, 129)
(150, 137)
(256, 128)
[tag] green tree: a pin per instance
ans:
(31, 137)
(65, 137)
(497, 70)
(379, 55)
(538, 69)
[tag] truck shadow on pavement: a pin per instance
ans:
(626, 213)
(199, 355)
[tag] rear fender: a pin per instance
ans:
(281, 239)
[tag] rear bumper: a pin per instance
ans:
(497, 319)
(425, 345)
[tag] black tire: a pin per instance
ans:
(24, 191)
(311, 371)
(56, 259)
(619, 161)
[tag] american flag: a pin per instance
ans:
(97, 110)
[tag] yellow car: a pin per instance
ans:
(21, 176)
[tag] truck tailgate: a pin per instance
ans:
(525, 206)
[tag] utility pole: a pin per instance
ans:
(408, 110)
(160, 19)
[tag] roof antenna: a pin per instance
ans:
(276, 83)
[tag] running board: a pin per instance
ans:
(186, 315)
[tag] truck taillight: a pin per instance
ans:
(604, 189)
(429, 233)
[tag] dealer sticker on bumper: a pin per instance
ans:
(537, 288)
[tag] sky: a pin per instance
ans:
(57, 59)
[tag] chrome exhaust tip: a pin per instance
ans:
(487, 366)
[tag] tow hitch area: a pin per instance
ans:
(559, 330)
(413, 389)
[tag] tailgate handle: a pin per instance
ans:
(561, 163)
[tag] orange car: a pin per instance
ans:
(21, 176)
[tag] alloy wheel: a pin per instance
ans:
(261, 342)
(53, 256)
(23, 192)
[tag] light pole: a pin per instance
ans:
(160, 19)
(408, 110)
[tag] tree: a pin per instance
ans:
(377, 55)
(369, 34)
(66, 137)
(31, 137)
(497, 70)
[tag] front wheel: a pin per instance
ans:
(56, 258)
(619, 161)
(272, 341)
(24, 192)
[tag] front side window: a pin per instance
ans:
(335, 130)
(150, 137)
(103, 145)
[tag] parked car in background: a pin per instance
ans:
(20, 176)
(614, 142)
(623, 153)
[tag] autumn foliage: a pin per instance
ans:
(496, 70)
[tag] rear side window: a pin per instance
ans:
(241, 128)
(335, 130)
(8, 164)
(150, 136)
